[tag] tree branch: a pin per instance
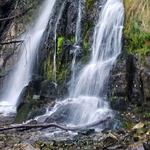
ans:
(63, 127)
(11, 42)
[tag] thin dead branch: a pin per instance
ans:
(11, 42)
(44, 126)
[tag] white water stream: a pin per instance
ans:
(76, 45)
(55, 51)
(88, 101)
(22, 72)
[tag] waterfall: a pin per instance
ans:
(55, 38)
(76, 45)
(89, 92)
(89, 101)
(22, 72)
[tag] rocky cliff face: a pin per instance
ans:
(65, 36)
(14, 18)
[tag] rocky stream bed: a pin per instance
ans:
(131, 133)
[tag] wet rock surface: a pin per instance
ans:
(6, 120)
(118, 85)
(146, 78)
(110, 140)
(48, 89)
(129, 82)
(133, 134)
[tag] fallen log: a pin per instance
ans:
(63, 127)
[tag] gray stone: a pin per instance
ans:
(48, 89)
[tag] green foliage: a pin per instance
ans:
(147, 115)
(137, 27)
(89, 4)
(60, 42)
(137, 41)
(72, 40)
(48, 68)
(61, 74)
(62, 70)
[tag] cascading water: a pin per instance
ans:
(87, 103)
(89, 91)
(77, 44)
(55, 51)
(22, 72)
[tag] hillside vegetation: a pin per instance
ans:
(137, 27)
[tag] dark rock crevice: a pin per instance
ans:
(128, 83)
